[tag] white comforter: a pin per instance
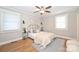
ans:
(43, 38)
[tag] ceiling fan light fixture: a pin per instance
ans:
(42, 11)
(37, 9)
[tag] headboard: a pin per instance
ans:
(33, 28)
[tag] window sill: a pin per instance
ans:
(61, 29)
(9, 31)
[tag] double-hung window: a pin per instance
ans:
(9, 20)
(61, 22)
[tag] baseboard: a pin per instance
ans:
(65, 37)
(2, 43)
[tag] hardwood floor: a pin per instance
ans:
(18, 46)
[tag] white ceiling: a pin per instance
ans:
(31, 9)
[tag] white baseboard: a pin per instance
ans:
(2, 43)
(65, 37)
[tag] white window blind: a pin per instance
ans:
(11, 21)
(61, 21)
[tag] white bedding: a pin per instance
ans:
(57, 46)
(42, 38)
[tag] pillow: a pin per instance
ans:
(36, 31)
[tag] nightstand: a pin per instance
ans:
(25, 35)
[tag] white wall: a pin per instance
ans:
(49, 25)
(78, 25)
(6, 36)
(13, 35)
(72, 25)
(31, 19)
(78, 29)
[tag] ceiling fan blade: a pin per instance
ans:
(48, 11)
(36, 11)
(37, 7)
(48, 7)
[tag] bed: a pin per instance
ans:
(43, 39)
(40, 37)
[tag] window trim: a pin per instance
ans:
(2, 11)
(66, 15)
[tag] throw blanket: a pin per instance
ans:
(43, 38)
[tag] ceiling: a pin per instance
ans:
(31, 9)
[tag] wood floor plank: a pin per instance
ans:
(18, 46)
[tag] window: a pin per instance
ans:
(11, 21)
(61, 22)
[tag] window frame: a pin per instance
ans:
(2, 12)
(66, 22)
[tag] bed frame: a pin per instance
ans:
(34, 27)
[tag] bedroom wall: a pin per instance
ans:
(78, 25)
(49, 23)
(6, 37)
(31, 19)
(72, 25)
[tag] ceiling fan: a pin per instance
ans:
(42, 9)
